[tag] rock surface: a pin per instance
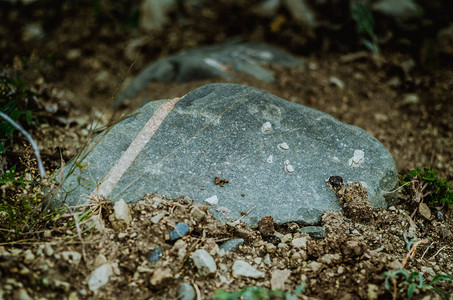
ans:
(400, 10)
(216, 131)
(314, 231)
(232, 245)
(211, 62)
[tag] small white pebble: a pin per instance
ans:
(48, 249)
(288, 167)
(266, 128)
(29, 256)
(410, 99)
(156, 219)
(122, 235)
(336, 81)
(283, 146)
(213, 200)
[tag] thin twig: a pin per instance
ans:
(117, 103)
(409, 254)
(394, 289)
(427, 248)
(398, 188)
(233, 224)
(79, 233)
(222, 240)
(438, 252)
(412, 251)
(197, 290)
(22, 233)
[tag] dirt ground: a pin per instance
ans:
(391, 95)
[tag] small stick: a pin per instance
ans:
(412, 251)
(79, 233)
(233, 224)
(427, 248)
(197, 290)
(438, 252)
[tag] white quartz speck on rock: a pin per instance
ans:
(213, 200)
(357, 159)
(283, 146)
(266, 128)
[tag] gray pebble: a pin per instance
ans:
(186, 292)
(155, 255)
(180, 230)
(440, 215)
(21, 294)
(232, 245)
(317, 232)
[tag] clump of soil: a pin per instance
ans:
(354, 200)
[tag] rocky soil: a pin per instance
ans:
(404, 104)
(138, 254)
(348, 262)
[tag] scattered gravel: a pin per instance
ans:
(142, 261)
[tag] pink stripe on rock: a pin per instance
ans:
(116, 173)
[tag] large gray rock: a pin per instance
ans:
(276, 156)
(211, 62)
(400, 10)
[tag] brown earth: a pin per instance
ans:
(348, 263)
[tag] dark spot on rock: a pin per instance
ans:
(317, 232)
(336, 182)
(220, 181)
